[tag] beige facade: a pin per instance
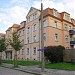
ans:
(58, 30)
(9, 53)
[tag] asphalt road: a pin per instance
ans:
(6, 71)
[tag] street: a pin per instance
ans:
(6, 71)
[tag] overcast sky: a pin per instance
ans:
(15, 11)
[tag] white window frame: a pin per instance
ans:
(55, 24)
(27, 51)
(35, 38)
(66, 38)
(55, 13)
(34, 52)
(22, 51)
(28, 29)
(65, 26)
(56, 37)
(34, 27)
(34, 16)
(44, 36)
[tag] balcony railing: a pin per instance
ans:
(71, 32)
(72, 42)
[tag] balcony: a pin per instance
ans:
(71, 32)
(72, 42)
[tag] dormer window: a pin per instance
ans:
(21, 25)
(67, 17)
(72, 21)
(55, 13)
(55, 24)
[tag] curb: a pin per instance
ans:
(22, 70)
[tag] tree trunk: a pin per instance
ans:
(1, 58)
(15, 59)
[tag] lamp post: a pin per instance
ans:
(42, 40)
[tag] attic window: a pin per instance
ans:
(73, 21)
(67, 17)
(21, 25)
(55, 13)
(31, 9)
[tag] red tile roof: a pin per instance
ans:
(50, 11)
(15, 26)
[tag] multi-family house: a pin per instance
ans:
(21, 33)
(9, 52)
(58, 30)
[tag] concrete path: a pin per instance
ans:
(35, 69)
(7, 71)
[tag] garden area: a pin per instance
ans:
(65, 66)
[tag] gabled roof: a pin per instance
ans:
(31, 9)
(19, 28)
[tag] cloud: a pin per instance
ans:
(61, 5)
(12, 15)
(17, 10)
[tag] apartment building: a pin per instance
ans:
(9, 52)
(21, 33)
(59, 29)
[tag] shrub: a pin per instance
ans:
(54, 53)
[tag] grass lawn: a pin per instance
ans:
(66, 66)
(22, 62)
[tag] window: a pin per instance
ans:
(67, 17)
(34, 50)
(73, 39)
(66, 38)
(69, 27)
(55, 13)
(22, 51)
(23, 32)
(35, 38)
(35, 27)
(22, 25)
(44, 23)
(55, 24)
(28, 19)
(19, 52)
(27, 51)
(66, 27)
(28, 39)
(56, 37)
(28, 30)
(44, 36)
(34, 16)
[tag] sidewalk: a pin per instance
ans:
(36, 70)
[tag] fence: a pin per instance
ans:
(69, 55)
